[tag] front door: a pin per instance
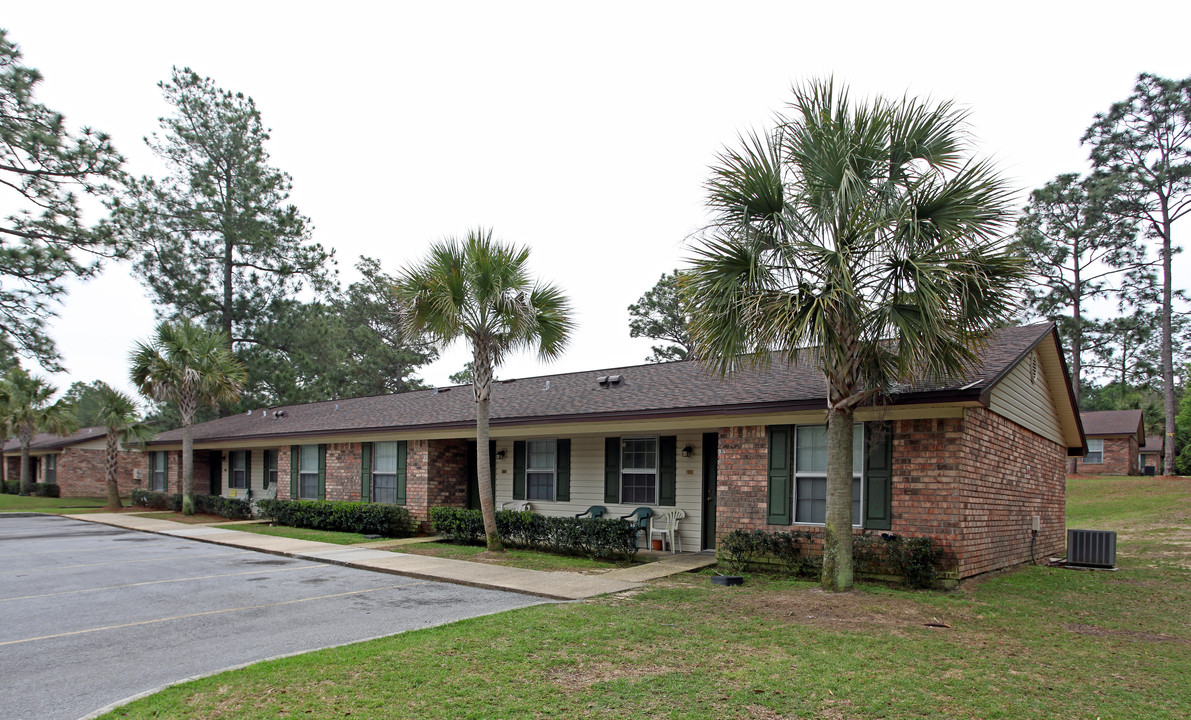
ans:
(215, 471)
(473, 482)
(711, 446)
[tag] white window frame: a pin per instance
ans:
(552, 470)
(306, 474)
(231, 469)
(159, 458)
(269, 478)
(641, 471)
(857, 475)
(375, 473)
(50, 466)
(1098, 443)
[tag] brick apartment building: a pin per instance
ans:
(75, 463)
(1115, 438)
(971, 463)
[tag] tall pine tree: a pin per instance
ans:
(1144, 143)
(224, 246)
(45, 171)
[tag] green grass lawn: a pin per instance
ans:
(530, 559)
(68, 506)
(1037, 642)
(327, 536)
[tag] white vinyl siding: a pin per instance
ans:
(587, 482)
(1025, 397)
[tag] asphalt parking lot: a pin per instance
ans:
(95, 614)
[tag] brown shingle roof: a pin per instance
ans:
(657, 390)
(1153, 444)
(1112, 422)
(49, 441)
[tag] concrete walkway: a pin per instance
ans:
(553, 585)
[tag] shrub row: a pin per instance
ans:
(358, 517)
(230, 508)
(13, 487)
(785, 549)
(591, 537)
(156, 500)
(914, 560)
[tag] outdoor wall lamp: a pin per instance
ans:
(686, 451)
(500, 454)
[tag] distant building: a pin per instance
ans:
(1114, 440)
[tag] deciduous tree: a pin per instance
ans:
(659, 315)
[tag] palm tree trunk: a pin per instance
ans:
(26, 468)
(187, 470)
(483, 390)
(113, 448)
(837, 537)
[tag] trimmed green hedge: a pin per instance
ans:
(230, 508)
(597, 538)
(156, 500)
(357, 517)
(13, 487)
(914, 560)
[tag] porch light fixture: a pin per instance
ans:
(500, 454)
(686, 451)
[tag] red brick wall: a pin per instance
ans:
(742, 478)
(283, 476)
(435, 474)
(343, 471)
(1009, 475)
(82, 473)
(971, 483)
(1153, 460)
(1120, 458)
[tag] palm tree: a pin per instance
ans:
(117, 412)
(190, 366)
(480, 290)
(28, 410)
(860, 237)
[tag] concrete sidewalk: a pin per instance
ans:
(553, 585)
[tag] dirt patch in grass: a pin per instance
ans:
(1097, 631)
(586, 675)
(837, 611)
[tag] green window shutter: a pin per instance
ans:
(322, 472)
(878, 478)
(563, 466)
(295, 457)
(781, 478)
(612, 470)
(248, 470)
(519, 470)
(166, 468)
(365, 472)
(401, 459)
(667, 470)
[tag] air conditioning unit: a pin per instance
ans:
(1093, 548)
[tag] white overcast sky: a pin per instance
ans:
(583, 130)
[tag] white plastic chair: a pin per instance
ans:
(665, 524)
(518, 505)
